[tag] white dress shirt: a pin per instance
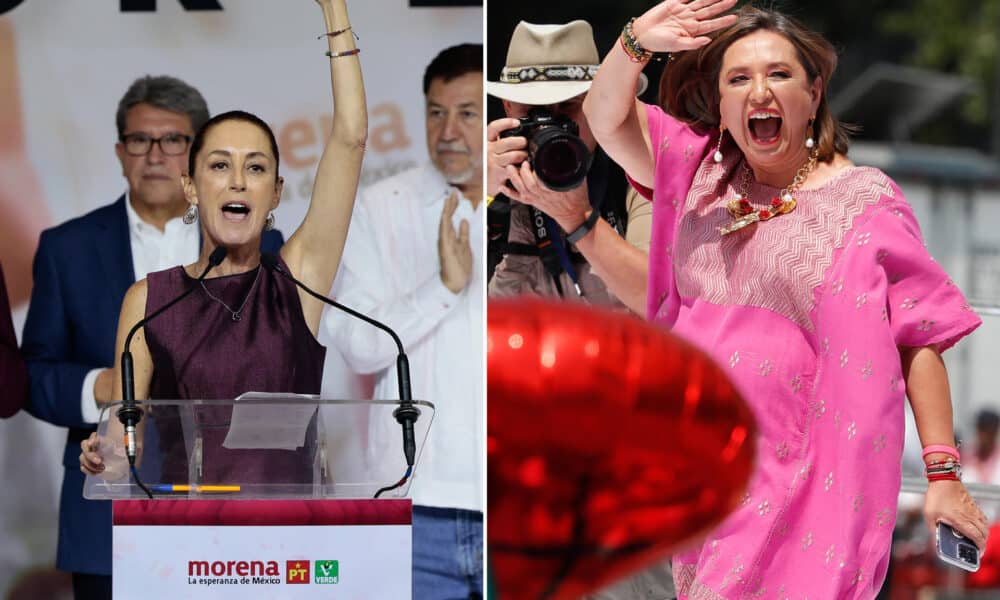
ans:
(390, 271)
(152, 250)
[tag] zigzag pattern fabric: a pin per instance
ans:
(777, 265)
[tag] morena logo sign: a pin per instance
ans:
(133, 5)
(233, 568)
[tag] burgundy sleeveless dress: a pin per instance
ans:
(201, 352)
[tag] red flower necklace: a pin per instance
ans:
(743, 212)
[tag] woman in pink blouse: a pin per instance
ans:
(805, 276)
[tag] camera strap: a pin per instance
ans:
(552, 250)
(598, 181)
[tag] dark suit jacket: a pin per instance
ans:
(82, 270)
(13, 377)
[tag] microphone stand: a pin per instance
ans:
(407, 413)
(129, 414)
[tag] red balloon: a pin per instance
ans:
(609, 443)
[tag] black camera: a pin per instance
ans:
(558, 156)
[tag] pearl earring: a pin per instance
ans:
(810, 142)
(717, 157)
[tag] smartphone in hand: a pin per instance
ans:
(956, 549)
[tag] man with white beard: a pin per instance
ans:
(412, 261)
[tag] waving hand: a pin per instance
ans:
(677, 25)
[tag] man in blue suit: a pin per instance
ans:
(82, 270)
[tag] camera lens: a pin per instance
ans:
(968, 554)
(560, 159)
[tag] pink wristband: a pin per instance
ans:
(942, 449)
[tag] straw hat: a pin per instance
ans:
(548, 64)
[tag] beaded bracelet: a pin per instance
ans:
(948, 464)
(636, 53)
(950, 468)
(344, 53)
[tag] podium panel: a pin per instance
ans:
(270, 496)
(267, 549)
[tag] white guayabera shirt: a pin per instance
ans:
(391, 272)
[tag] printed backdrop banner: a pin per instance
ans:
(63, 67)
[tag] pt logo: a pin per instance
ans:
(297, 571)
(327, 571)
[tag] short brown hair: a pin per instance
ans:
(452, 63)
(689, 88)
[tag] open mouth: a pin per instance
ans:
(235, 211)
(765, 127)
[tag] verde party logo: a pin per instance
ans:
(327, 571)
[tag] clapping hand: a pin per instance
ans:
(677, 25)
(454, 250)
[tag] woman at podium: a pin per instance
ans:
(245, 327)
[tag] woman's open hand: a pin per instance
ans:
(678, 25)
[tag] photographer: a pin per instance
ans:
(563, 217)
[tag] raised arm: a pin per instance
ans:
(313, 252)
(616, 118)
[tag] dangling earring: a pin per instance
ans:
(810, 142)
(717, 157)
(191, 214)
(269, 223)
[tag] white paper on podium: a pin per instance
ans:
(269, 426)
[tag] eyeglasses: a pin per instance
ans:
(139, 144)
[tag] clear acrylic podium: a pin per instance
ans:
(267, 446)
(269, 496)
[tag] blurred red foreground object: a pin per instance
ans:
(610, 442)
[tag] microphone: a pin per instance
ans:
(407, 414)
(130, 414)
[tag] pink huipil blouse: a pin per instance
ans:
(806, 313)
